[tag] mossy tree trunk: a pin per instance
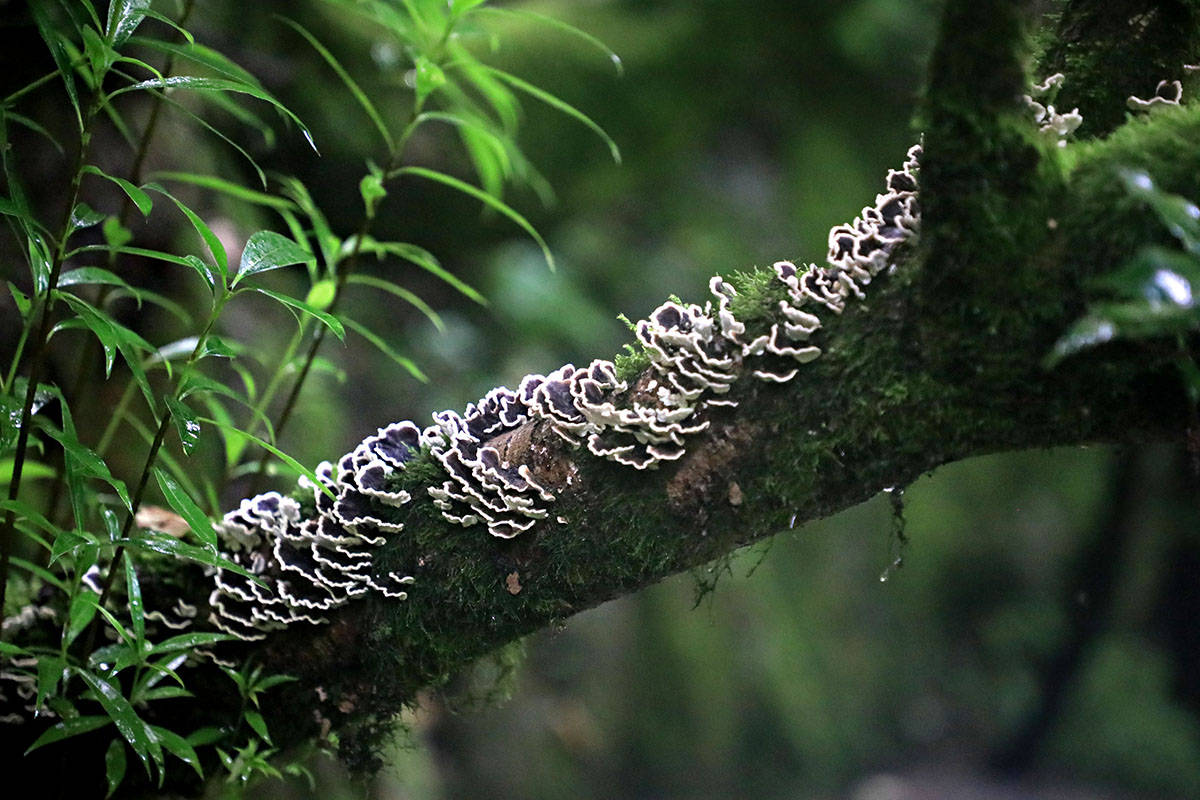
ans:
(944, 360)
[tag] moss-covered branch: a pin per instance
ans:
(942, 361)
(866, 415)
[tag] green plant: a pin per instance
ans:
(199, 406)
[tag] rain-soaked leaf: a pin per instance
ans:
(267, 250)
(185, 423)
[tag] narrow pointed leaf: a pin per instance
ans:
(282, 456)
(486, 199)
(114, 764)
(328, 320)
(184, 420)
(559, 105)
(129, 724)
(211, 241)
(68, 728)
(359, 95)
(183, 505)
(124, 16)
(133, 599)
(387, 349)
(140, 198)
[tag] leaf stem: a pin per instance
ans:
(87, 353)
(151, 457)
(347, 268)
(45, 313)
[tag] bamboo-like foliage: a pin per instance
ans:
(78, 527)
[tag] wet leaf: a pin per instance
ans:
(268, 250)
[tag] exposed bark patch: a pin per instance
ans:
(706, 468)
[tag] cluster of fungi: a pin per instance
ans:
(309, 565)
(314, 552)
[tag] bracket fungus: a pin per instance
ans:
(305, 566)
(299, 559)
(1050, 121)
(1167, 93)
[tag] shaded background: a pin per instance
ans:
(1040, 639)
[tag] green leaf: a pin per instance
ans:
(115, 234)
(179, 500)
(229, 189)
(114, 761)
(164, 693)
(185, 423)
(140, 198)
(113, 334)
(100, 54)
(219, 101)
(210, 239)
(402, 293)
(168, 545)
(31, 471)
(191, 262)
(267, 250)
(170, 23)
(133, 599)
(282, 456)
(329, 243)
(135, 731)
(68, 728)
(258, 724)
(328, 320)
(124, 16)
(190, 641)
(386, 349)
(7, 207)
(359, 95)
(43, 573)
(423, 259)
(80, 615)
(216, 347)
(58, 50)
(199, 54)
(488, 149)
(81, 461)
(20, 298)
(39, 262)
(201, 84)
(1156, 274)
(557, 24)
(486, 199)
(428, 77)
(95, 276)
(84, 216)
(559, 105)
(179, 747)
(207, 735)
(49, 675)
